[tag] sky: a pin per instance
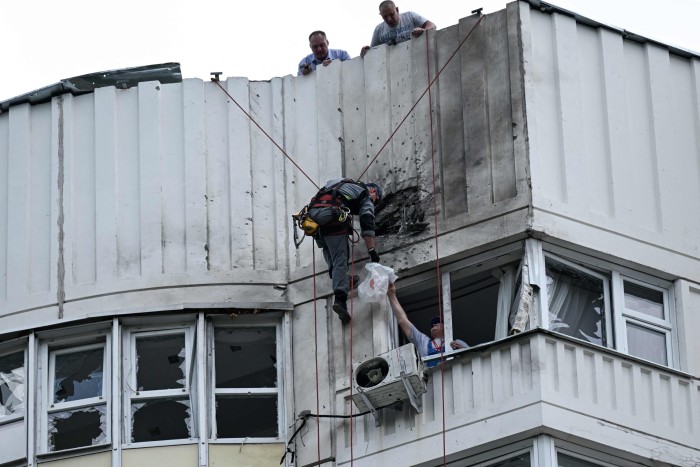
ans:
(44, 41)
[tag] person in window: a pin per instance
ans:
(396, 27)
(321, 54)
(331, 209)
(425, 345)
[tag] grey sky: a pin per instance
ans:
(44, 41)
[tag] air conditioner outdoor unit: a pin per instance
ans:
(393, 376)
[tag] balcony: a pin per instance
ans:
(532, 383)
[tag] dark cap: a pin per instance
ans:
(434, 321)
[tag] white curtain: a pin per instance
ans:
(576, 303)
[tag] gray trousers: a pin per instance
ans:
(336, 254)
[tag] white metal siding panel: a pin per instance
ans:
(195, 166)
(614, 143)
(4, 197)
(173, 180)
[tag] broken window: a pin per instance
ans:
(246, 382)
(159, 394)
(589, 305)
(11, 384)
(77, 428)
(76, 414)
(577, 299)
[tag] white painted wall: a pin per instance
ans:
(614, 131)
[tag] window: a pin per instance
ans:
(246, 382)
(76, 397)
(642, 311)
(478, 296)
(609, 305)
(578, 301)
(158, 402)
(11, 386)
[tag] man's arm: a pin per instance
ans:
(429, 25)
(399, 312)
(304, 67)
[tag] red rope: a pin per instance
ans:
(318, 405)
(265, 132)
(430, 84)
(352, 315)
(437, 251)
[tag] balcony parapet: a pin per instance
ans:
(536, 382)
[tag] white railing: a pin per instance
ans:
(528, 384)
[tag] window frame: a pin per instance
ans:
(618, 274)
(129, 371)
(214, 392)
(624, 316)
(607, 297)
(48, 351)
(472, 265)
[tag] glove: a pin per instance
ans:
(373, 255)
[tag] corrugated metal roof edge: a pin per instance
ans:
(122, 78)
(550, 8)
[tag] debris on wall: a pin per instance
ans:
(402, 212)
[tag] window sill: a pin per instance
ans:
(244, 441)
(169, 442)
(75, 452)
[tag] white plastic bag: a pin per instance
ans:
(375, 285)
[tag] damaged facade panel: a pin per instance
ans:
(12, 384)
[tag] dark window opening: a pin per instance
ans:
(159, 420)
(474, 307)
(160, 362)
(76, 428)
(246, 417)
(246, 357)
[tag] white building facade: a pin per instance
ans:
(544, 193)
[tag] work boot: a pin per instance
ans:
(341, 308)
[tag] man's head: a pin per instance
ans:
(389, 13)
(436, 329)
(319, 44)
(375, 192)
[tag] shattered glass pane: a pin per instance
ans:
(77, 428)
(246, 416)
(161, 419)
(246, 357)
(11, 383)
(161, 362)
(78, 375)
(576, 303)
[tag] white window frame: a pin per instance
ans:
(624, 315)
(132, 395)
(214, 392)
(607, 296)
(48, 354)
(13, 417)
(615, 300)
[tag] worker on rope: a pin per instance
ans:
(321, 54)
(332, 209)
(396, 27)
(425, 345)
